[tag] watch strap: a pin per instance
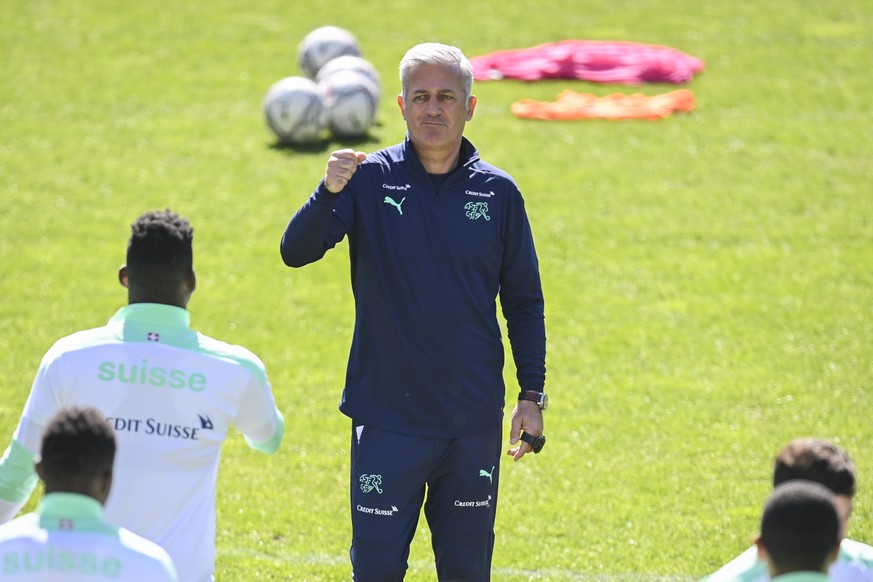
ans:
(536, 442)
(533, 396)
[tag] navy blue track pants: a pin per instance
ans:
(456, 479)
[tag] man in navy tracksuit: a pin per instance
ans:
(435, 236)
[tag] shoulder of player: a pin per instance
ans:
(747, 567)
(147, 549)
(854, 551)
(20, 529)
(140, 544)
(80, 340)
(212, 347)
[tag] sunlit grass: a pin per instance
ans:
(708, 278)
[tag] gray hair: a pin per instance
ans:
(434, 53)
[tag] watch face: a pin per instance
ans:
(544, 401)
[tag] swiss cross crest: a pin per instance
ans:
(477, 210)
(65, 524)
(370, 483)
(153, 336)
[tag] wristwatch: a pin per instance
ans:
(541, 399)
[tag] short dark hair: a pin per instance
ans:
(160, 250)
(800, 526)
(816, 460)
(77, 445)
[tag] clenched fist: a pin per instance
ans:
(340, 168)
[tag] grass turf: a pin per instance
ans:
(709, 278)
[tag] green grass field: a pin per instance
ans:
(708, 278)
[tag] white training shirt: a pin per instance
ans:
(171, 394)
(67, 539)
(854, 564)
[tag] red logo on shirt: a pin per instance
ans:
(153, 336)
(65, 525)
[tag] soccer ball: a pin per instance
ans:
(324, 44)
(351, 99)
(349, 62)
(295, 110)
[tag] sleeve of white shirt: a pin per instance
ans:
(17, 474)
(259, 419)
(43, 402)
(747, 567)
(17, 480)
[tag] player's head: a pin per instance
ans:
(77, 453)
(822, 462)
(432, 53)
(800, 528)
(160, 260)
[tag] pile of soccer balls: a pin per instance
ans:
(339, 92)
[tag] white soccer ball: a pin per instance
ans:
(295, 110)
(323, 44)
(349, 62)
(351, 100)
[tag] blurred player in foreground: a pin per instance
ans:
(800, 532)
(67, 537)
(821, 462)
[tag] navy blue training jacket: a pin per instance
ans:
(427, 265)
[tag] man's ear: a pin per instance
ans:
(762, 551)
(192, 281)
(471, 106)
(402, 105)
(764, 556)
(122, 275)
(39, 471)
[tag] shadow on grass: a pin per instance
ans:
(327, 144)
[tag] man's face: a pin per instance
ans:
(434, 107)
